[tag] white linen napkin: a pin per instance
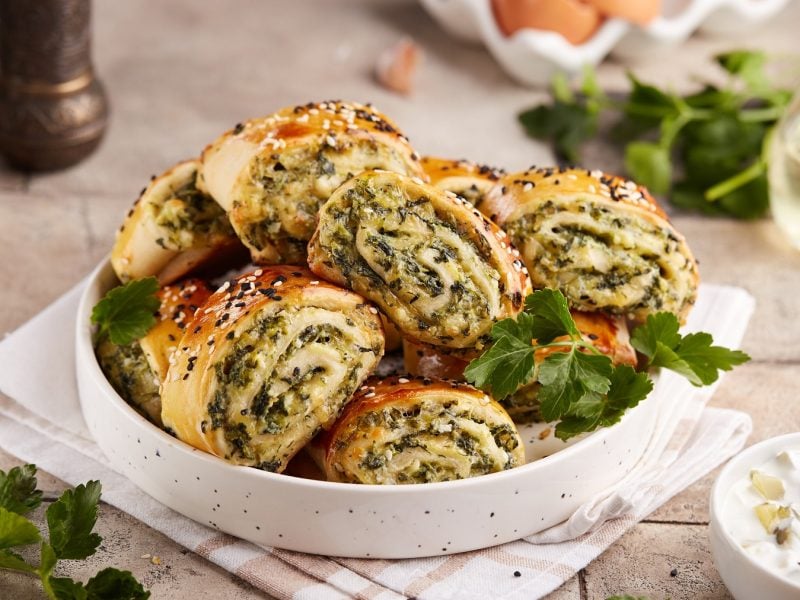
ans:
(43, 424)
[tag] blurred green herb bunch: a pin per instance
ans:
(707, 150)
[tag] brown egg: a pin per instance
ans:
(640, 12)
(573, 19)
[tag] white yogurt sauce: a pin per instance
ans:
(740, 519)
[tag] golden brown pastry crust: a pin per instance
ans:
(602, 240)
(471, 181)
(179, 302)
(172, 229)
(415, 430)
(441, 271)
(272, 174)
(271, 359)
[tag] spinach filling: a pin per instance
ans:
(434, 440)
(568, 251)
(254, 433)
(189, 218)
(397, 231)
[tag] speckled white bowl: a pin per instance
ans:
(351, 520)
(746, 578)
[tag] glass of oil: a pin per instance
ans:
(784, 173)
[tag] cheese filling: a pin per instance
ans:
(276, 207)
(286, 377)
(601, 259)
(434, 439)
(421, 267)
(187, 218)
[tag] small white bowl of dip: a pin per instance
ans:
(753, 565)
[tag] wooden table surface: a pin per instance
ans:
(180, 73)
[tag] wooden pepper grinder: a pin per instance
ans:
(53, 110)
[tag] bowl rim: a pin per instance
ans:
(85, 358)
(722, 485)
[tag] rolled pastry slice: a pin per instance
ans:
(439, 270)
(129, 373)
(607, 333)
(413, 430)
(136, 370)
(179, 302)
(467, 179)
(603, 241)
(271, 359)
(172, 229)
(273, 174)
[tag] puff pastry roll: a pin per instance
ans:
(136, 370)
(172, 229)
(269, 361)
(413, 430)
(608, 333)
(465, 178)
(603, 241)
(273, 174)
(438, 269)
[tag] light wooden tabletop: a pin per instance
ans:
(180, 73)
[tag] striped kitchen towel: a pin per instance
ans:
(40, 422)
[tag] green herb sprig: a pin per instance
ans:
(580, 386)
(127, 312)
(707, 149)
(70, 521)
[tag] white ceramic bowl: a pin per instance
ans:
(534, 56)
(746, 578)
(351, 520)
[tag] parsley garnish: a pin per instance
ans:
(70, 521)
(127, 312)
(692, 355)
(715, 138)
(579, 386)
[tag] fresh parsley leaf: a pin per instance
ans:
(13, 561)
(65, 588)
(649, 164)
(509, 362)
(628, 388)
(706, 147)
(568, 378)
(18, 491)
(748, 65)
(71, 519)
(113, 584)
(566, 125)
(692, 355)
(127, 312)
(551, 317)
(16, 530)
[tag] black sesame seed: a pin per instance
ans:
(517, 574)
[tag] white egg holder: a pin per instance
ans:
(533, 56)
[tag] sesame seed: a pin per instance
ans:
(403, 380)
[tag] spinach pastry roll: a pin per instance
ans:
(273, 174)
(439, 270)
(467, 179)
(269, 361)
(414, 430)
(172, 229)
(603, 241)
(136, 370)
(607, 333)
